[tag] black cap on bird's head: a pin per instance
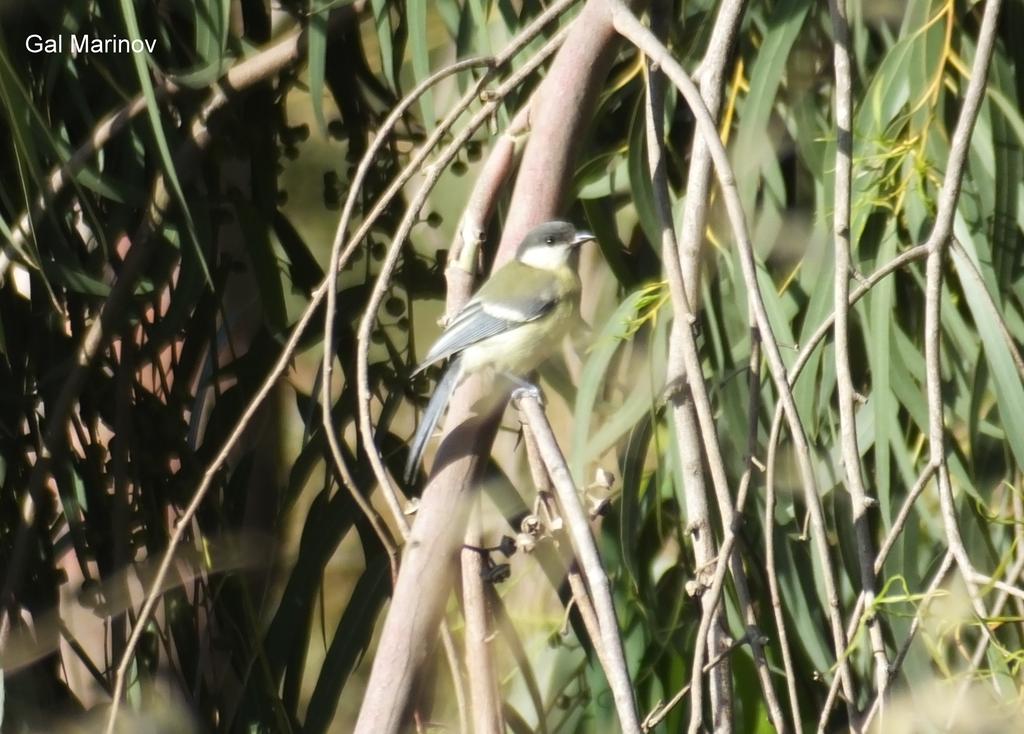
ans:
(551, 244)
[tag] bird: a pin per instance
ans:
(510, 325)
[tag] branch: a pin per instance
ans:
(590, 561)
(844, 377)
(937, 243)
(485, 703)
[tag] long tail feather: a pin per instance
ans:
(435, 409)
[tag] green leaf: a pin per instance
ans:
(385, 34)
(640, 178)
(607, 342)
(317, 61)
(264, 261)
(1009, 392)
(417, 16)
(153, 112)
(350, 641)
(766, 73)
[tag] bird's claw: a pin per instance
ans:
(527, 391)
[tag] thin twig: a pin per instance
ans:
(661, 710)
(337, 257)
(590, 561)
(937, 243)
(897, 663)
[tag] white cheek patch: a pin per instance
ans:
(546, 258)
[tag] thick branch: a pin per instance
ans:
(422, 585)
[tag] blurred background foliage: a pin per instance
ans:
(272, 604)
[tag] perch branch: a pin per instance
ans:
(590, 562)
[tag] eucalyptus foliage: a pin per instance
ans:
(216, 230)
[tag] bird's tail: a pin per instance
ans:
(435, 409)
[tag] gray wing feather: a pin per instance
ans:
(474, 324)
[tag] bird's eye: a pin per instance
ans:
(550, 240)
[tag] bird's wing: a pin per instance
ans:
(486, 316)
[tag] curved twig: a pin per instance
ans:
(937, 243)
(337, 258)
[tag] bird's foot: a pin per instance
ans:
(525, 389)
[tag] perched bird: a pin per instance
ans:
(511, 324)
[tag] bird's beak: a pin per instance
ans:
(581, 237)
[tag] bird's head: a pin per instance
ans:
(551, 245)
